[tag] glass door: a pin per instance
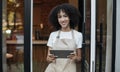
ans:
(15, 35)
(89, 35)
(100, 34)
(97, 31)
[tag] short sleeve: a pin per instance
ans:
(79, 40)
(50, 40)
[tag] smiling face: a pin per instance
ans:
(63, 20)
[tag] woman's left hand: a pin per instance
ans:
(74, 57)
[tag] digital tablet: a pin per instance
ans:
(61, 53)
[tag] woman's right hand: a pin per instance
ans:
(51, 58)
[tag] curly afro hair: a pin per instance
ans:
(70, 10)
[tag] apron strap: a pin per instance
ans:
(58, 36)
(73, 34)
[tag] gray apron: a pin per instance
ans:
(63, 64)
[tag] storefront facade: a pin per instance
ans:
(27, 21)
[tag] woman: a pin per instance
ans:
(65, 18)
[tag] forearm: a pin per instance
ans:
(78, 54)
(50, 57)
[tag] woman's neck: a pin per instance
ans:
(66, 29)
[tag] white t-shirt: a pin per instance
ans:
(66, 35)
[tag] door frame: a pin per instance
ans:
(93, 36)
(1, 62)
(28, 35)
(114, 36)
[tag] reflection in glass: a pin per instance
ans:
(101, 35)
(13, 36)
